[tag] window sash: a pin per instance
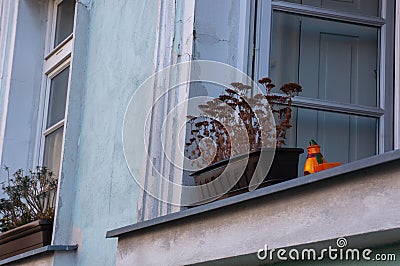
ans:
(57, 98)
(266, 9)
(319, 12)
(53, 149)
(345, 108)
(62, 45)
(320, 104)
(385, 24)
(55, 12)
(53, 128)
(56, 60)
(45, 132)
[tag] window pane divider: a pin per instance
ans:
(327, 14)
(53, 128)
(59, 47)
(351, 109)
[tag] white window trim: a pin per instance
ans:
(397, 79)
(56, 60)
(47, 131)
(382, 81)
(54, 11)
(262, 38)
(245, 41)
(59, 47)
(8, 24)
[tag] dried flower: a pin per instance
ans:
(242, 104)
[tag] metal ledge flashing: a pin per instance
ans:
(39, 251)
(294, 183)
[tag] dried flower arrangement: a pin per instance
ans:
(209, 139)
(281, 105)
(30, 197)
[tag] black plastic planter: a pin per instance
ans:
(284, 167)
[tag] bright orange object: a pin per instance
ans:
(315, 161)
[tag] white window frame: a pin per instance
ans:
(47, 131)
(397, 79)
(245, 52)
(53, 15)
(54, 22)
(56, 60)
(263, 39)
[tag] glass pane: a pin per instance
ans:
(343, 138)
(65, 21)
(362, 7)
(333, 61)
(52, 150)
(57, 99)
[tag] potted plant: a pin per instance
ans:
(210, 145)
(27, 213)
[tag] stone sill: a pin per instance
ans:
(39, 251)
(329, 174)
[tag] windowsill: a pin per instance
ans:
(38, 251)
(297, 182)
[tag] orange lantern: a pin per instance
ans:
(315, 161)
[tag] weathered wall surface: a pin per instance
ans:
(22, 41)
(121, 38)
(217, 31)
(42, 260)
(351, 204)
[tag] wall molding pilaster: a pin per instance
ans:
(173, 45)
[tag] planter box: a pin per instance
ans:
(24, 238)
(284, 167)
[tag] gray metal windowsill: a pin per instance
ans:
(38, 251)
(297, 182)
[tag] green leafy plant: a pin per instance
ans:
(209, 140)
(30, 196)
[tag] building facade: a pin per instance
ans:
(70, 69)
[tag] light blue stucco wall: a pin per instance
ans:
(120, 51)
(21, 59)
(217, 31)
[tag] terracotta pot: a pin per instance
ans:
(24, 238)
